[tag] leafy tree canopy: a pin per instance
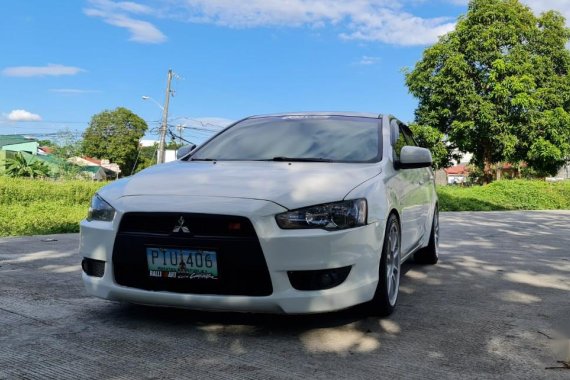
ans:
(499, 86)
(434, 140)
(46, 143)
(147, 158)
(115, 135)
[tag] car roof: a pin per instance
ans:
(321, 113)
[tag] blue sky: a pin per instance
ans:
(64, 61)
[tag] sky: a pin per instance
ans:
(63, 61)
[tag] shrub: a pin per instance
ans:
(33, 207)
(506, 195)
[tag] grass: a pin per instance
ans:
(35, 207)
(506, 195)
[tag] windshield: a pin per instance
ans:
(302, 138)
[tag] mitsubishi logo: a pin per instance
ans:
(180, 226)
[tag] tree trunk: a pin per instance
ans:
(487, 169)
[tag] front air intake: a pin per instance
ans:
(318, 279)
(94, 268)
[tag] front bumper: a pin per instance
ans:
(284, 250)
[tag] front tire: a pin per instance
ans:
(430, 254)
(386, 296)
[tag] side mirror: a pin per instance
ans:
(413, 157)
(184, 150)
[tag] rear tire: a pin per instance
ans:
(386, 296)
(430, 254)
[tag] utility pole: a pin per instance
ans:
(164, 126)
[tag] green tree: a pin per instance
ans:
(115, 135)
(498, 86)
(48, 143)
(434, 140)
(20, 166)
(147, 157)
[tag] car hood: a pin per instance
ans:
(291, 185)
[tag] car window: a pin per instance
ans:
(398, 139)
(331, 138)
(402, 136)
(408, 135)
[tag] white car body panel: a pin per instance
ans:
(259, 191)
(292, 186)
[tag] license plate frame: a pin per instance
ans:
(177, 263)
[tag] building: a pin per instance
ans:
(169, 155)
(12, 144)
(95, 173)
(457, 174)
(18, 143)
(111, 171)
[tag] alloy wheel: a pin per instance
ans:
(393, 264)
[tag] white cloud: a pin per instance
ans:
(370, 20)
(384, 21)
(72, 91)
(398, 28)
(119, 14)
(539, 6)
(32, 71)
(121, 6)
(367, 60)
(23, 115)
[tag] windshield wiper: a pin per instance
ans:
(300, 159)
(203, 159)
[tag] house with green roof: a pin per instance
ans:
(95, 173)
(18, 143)
(11, 144)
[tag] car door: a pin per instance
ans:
(423, 193)
(405, 185)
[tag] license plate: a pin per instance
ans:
(182, 263)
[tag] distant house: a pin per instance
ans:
(95, 173)
(111, 171)
(12, 144)
(45, 150)
(457, 174)
(105, 164)
(169, 155)
(18, 143)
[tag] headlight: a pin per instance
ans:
(329, 216)
(100, 210)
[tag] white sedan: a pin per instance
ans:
(287, 213)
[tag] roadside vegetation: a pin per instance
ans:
(36, 207)
(39, 207)
(506, 195)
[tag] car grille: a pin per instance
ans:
(242, 269)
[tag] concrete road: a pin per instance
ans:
(497, 306)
